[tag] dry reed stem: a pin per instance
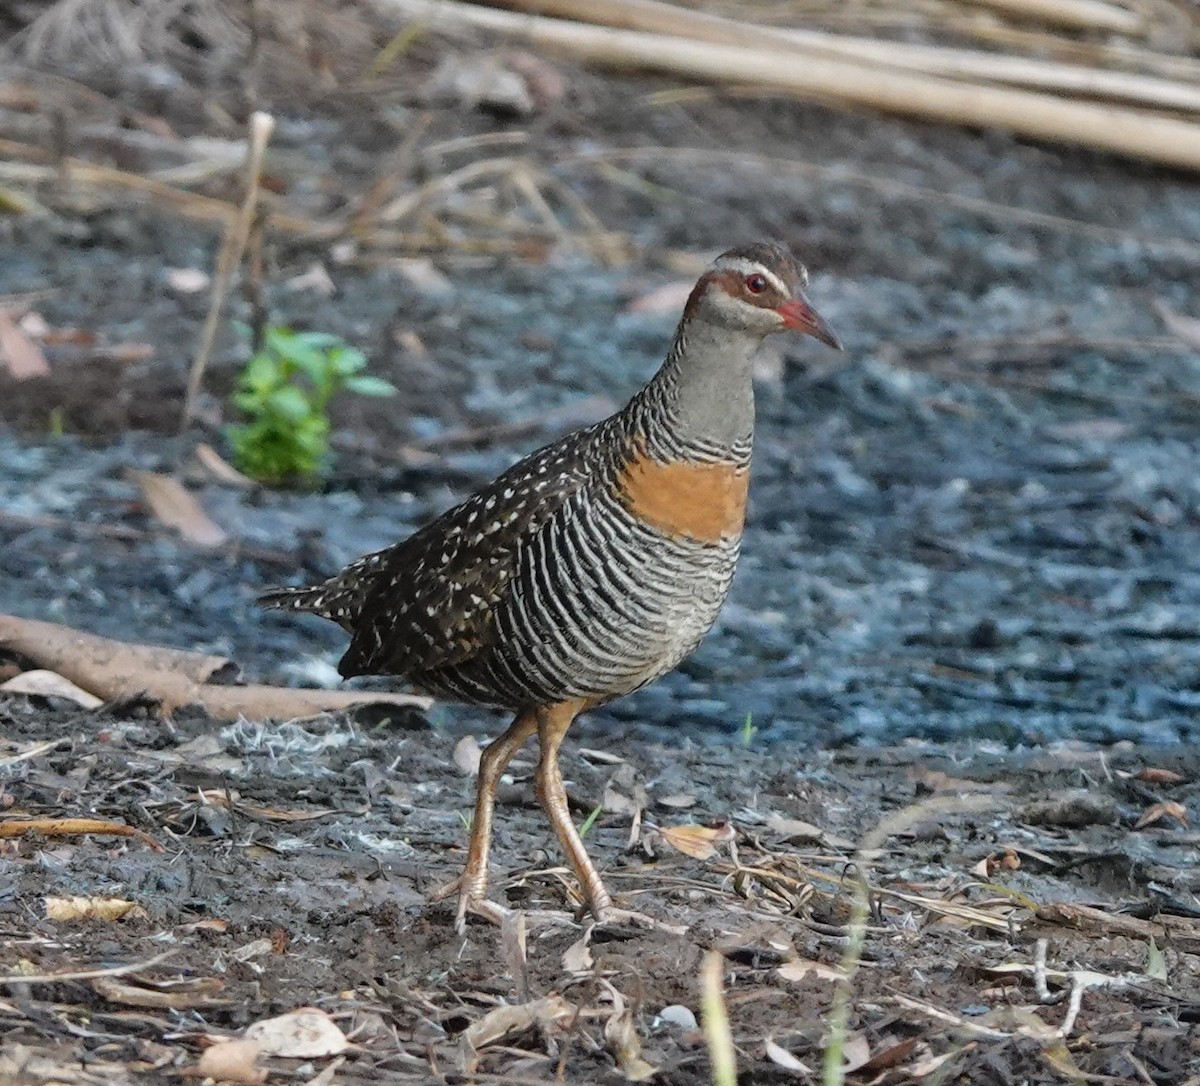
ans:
(653, 16)
(1076, 14)
(1131, 132)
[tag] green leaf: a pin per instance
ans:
(261, 374)
(290, 402)
(322, 342)
(346, 360)
(366, 385)
(277, 340)
(250, 402)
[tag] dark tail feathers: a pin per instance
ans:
(313, 598)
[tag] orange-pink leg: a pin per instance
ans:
(471, 885)
(552, 724)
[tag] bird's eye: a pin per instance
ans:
(756, 284)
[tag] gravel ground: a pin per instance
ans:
(972, 552)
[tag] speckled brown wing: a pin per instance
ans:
(428, 602)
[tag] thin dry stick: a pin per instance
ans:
(86, 974)
(230, 256)
(1132, 132)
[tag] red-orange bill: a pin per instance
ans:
(800, 316)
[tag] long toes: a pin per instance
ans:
(611, 917)
(443, 892)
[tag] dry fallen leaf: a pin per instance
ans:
(856, 1053)
(700, 842)
(467, 754)
(256, 948)
(187, 280)
(997, 861)
(93, 908)
(781, 1057)
(890, 1056)
(793, 829)
(504, 1021)
(212, 923)
(1156, 812)
(175, 507)
(216, 467)
(925, 1066)
(577, 958)
(677, 801)
(305, 1033)
(231, 1061)
(50, 684)
(623, 1040)
(802, 968)
(1152, 775)
(23, 356)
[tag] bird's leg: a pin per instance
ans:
(552, 724)
(471, 885)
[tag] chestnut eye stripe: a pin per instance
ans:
(746, 269)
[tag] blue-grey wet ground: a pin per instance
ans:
(925, 556)
(982, 521)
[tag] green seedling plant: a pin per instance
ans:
(284, 391)
(590, 821)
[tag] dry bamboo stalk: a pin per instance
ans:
(656, 17)
(1076, 14)
(1042, 116)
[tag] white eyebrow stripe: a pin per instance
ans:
(751, 267)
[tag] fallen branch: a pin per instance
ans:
(172, 677)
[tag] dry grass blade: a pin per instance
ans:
(714, 1020)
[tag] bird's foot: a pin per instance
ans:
(471, 900)
(471, 890)
(614, 919)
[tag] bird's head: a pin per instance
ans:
(760, 289)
